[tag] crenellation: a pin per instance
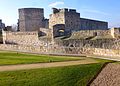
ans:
(72, 10)
(63, 10)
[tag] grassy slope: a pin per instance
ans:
(17, 58)
(62, 76)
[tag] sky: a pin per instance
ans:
(104, 10)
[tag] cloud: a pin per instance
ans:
(55, 4)
(94, 11)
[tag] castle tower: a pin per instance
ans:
(30, 19)
(69, 17)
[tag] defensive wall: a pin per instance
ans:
(89, 24)
(90, 33)
(30, 42)
(84, 38)
(61, 50)
(116, 32)
(27, 38)
(24, 38)
(99, 43)
(72, 21)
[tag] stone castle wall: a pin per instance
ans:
(88, 24)
(27, 38)
(61, 22)
(90, 33)
(116, 32)
(72, 20)
(56, 18)
(60, 50)
(31, 19)
(99, 43)
(24, 48)
(45, 32)
(22, 38)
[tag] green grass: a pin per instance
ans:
(11, 58)
(60, 76)
(102, 60)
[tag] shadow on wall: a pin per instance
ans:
(12, 43)
(41, 34)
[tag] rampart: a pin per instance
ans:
(76, 40)
(88, 24)
(99, 43)
(21, 38)
(89, 33)
(61, 50)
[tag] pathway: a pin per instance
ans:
(45, 65)
(109, 76)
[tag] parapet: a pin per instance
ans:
(55, 10)
(72, 10)
(31, 10)
(64, 10)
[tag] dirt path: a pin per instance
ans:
(45, 65)
(109, 76)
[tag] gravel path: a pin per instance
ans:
(45, 65)
(109, 76)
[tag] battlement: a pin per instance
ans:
(72, 10)
(64, 10)
(31, 12)
(31, 9)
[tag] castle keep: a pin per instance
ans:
(65, 32)
(31, 19)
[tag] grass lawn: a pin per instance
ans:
(10, 58)
(60, 76)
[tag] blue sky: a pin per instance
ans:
(104, 10)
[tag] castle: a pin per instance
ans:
(62, 22)
(64, 32)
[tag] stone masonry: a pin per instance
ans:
(72, 21)
(88, 24)
(70, 18)
(30, 19)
